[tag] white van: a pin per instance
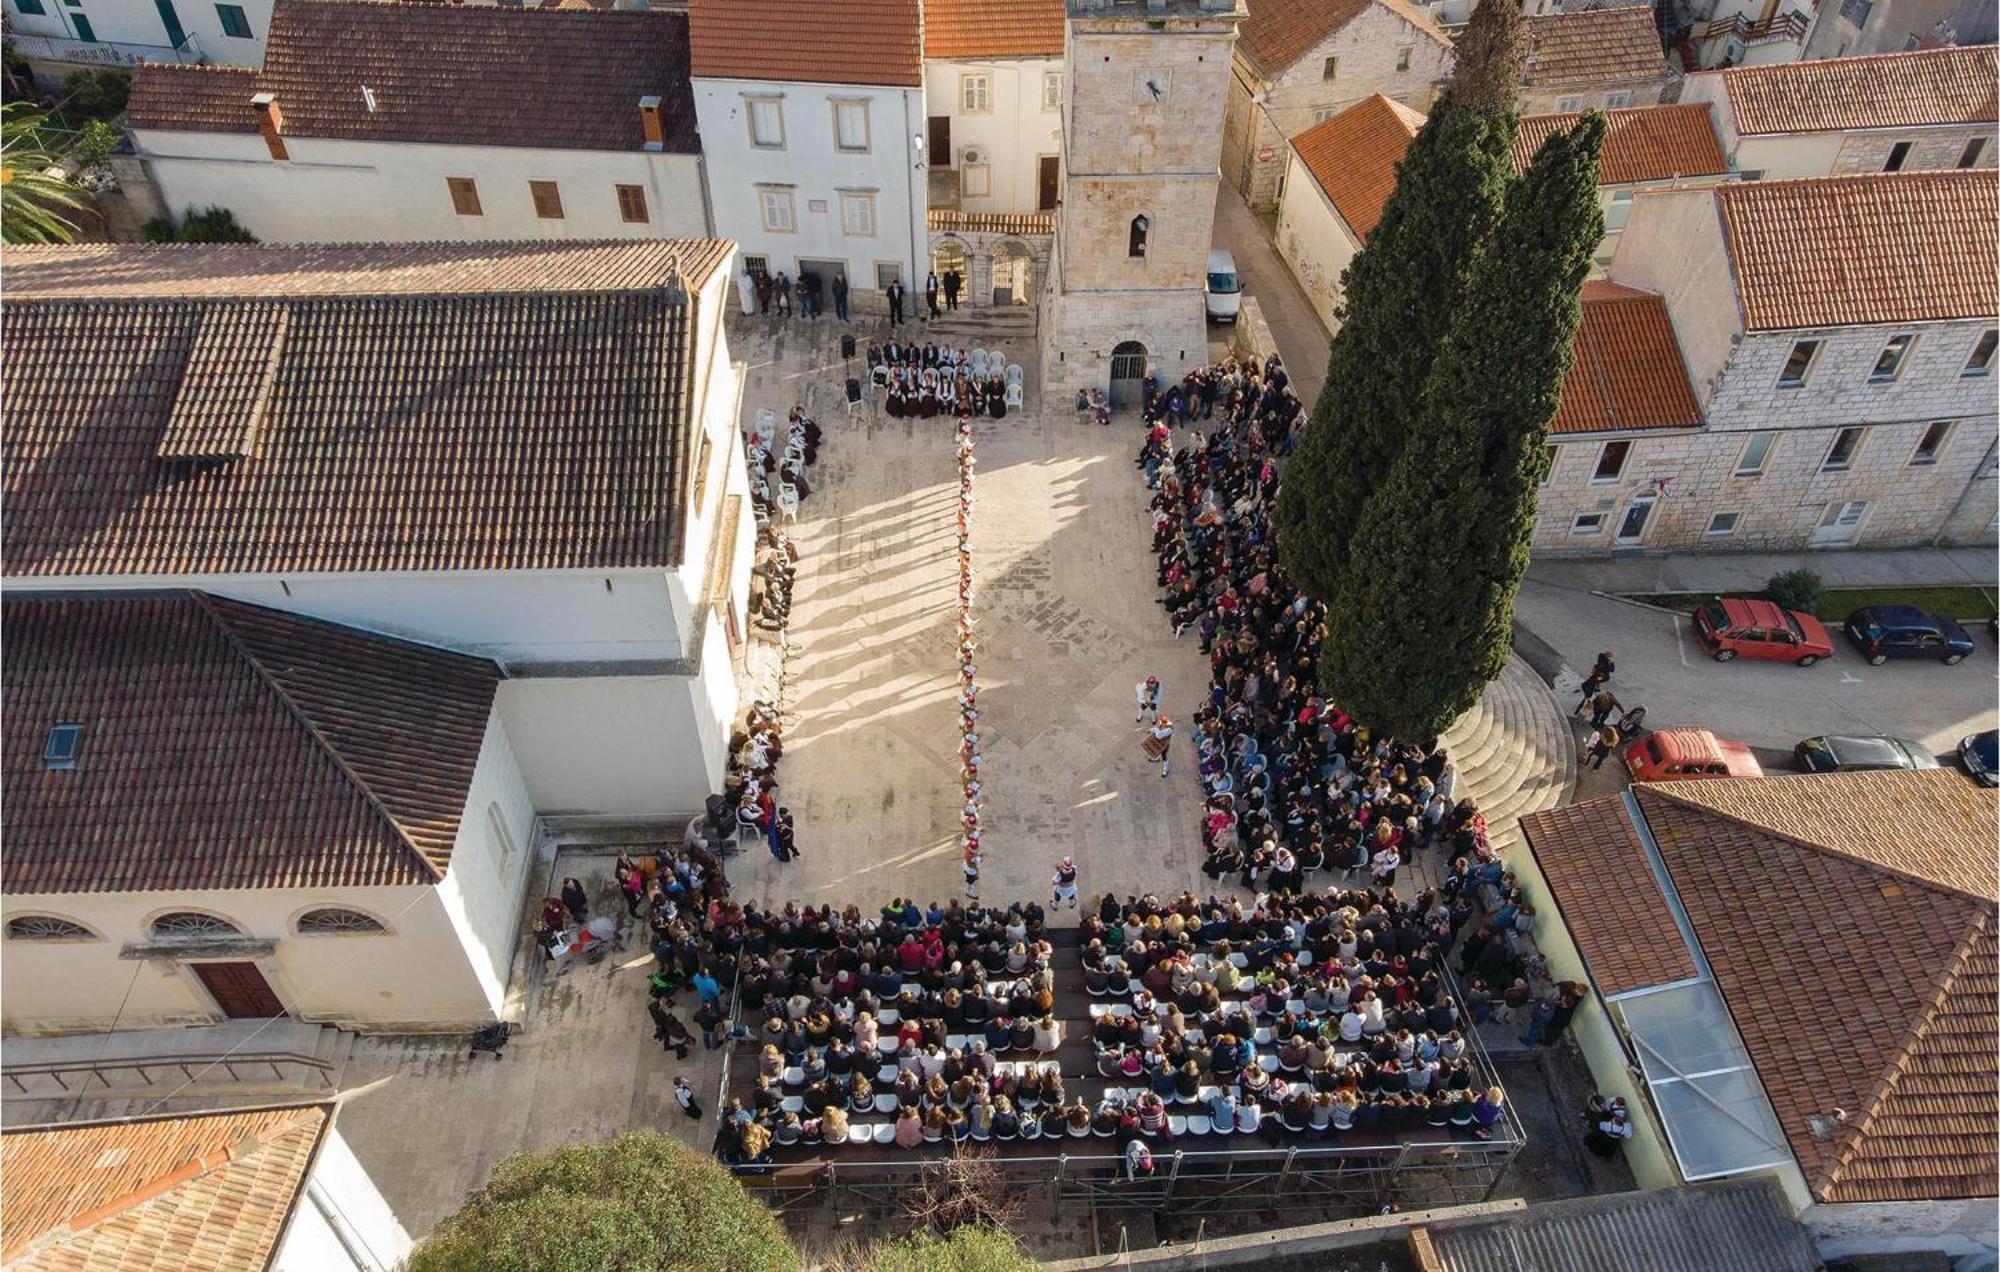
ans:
(1224, 292)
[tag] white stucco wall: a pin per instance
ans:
(341, 1223)
(1672, 244)
(490, 859)
(1964, 1230)
(138, 24)
(617, 746)
(332, 191)
(1313, 238)
(1016, 132)
(815, 172)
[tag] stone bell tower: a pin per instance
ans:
(1142, 143)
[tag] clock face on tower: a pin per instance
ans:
(1152, 88)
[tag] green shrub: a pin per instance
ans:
(965, 1250)
(210, 225)
(99, 140)
(98, 94)
(1801, 589)
(644, 1202)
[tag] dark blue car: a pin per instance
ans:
(1882, 632)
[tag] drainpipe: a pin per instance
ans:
(707, 204)
(351, 1241)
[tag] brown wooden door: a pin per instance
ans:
(1046, 184)
(940, 141)
(240, 990)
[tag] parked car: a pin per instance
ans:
(1674, 754)
(1843, 754)
(1882, 632)
(1980, 754)
(1741, 626)
(1224, 293)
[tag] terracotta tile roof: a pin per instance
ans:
(1645, 143)
(1888, 90)
(824, 42)
(404, 424)
(195, 98)
(951, 219)
(572, 80)
(195, 712)
(1853, 982)
(1625, 932)
(1280, 32)
(1600, 46)
(1354, 156)
(210, 1190)
(993, 28)
(1839, 251)
(1628, 371)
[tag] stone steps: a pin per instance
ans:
(1514, 751)
(241, 1057)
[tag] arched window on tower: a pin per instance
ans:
(1136, 246)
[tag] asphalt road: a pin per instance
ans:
(1768, 705)
(1301, 337)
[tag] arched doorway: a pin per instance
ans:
(948, 253)
(1128, 373)
(1013, 273)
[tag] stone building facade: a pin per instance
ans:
(1142, 134)
(1837, 411)
(1598, 59)
(1284, 81)
(1004, 259)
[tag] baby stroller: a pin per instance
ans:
(1632, 723)
(491, 1038)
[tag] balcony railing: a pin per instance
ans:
(57, 48)
(1787, 27)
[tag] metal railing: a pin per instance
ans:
(88, 1077)
(57, 48)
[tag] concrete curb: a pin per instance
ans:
(1646, 605)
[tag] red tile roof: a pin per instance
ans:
(1280, 32)
(1354, 156)
(226, 745)
(1026, 223)
(1628, 371)
(824, 42)
(1882, 248)
(209, 1190)
(461, 407)
(1888, 90)
(1643, 143)
(1598, 46)
(192, 98)
(993, 28)
(572, 79)
(1626, 934)
(1858, 971)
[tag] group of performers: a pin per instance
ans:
(925, 381)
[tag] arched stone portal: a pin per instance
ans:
(1013, 273)
(1128, 373)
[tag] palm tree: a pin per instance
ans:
(33, 193)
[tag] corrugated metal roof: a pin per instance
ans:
(1704, 1228)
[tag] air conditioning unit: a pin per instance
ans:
(972, 154)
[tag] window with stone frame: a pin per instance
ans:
(46, 927)
(192, 925)
(1329, 69)
(1980, 361)
(1895, 353)
(1135, 243)
(975, 94)
(334, 920)
(1798, 364)
(1931, 445)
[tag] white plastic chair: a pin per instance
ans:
(1014, 394)
(975, 362)
(788, 501)
(767, 422)
(1013, 373)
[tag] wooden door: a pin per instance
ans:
(1046, 184)
(240, 990)
(940, 141)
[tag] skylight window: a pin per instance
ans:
(59, 752)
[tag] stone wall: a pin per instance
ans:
(1547, 99)
(1929, 148)
(983, 247)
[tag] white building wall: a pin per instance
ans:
(1019, 128)
(1963, 1230)
(482, 891)
(1313, 239)
(811, 169)
(618, 746)
(1672, 244)
(341, 1223)
(332, 191)
(126, 30)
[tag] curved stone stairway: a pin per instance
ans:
(1515, 751)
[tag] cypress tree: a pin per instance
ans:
(1441, 550)
(1398, 294)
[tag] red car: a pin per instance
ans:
(1737, 626)
(1674, 754)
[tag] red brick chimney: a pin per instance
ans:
(270, 122)
(649, 119)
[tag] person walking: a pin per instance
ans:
(931, 294)
(1158, 739)
(685, 1097)
(668, 1030)
(953, 281)
(1602, 743)
(896, 302)
(840, 296)
(971, 877)
(788, 848)
(1602, 706)
(1149, 698)
(1600, 674)
(1064, 882)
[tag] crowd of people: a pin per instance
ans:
(929, 380)
(1293, 784)
(969, 757)
(780, 460)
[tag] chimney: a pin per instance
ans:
(270, 122)
(649, 119)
